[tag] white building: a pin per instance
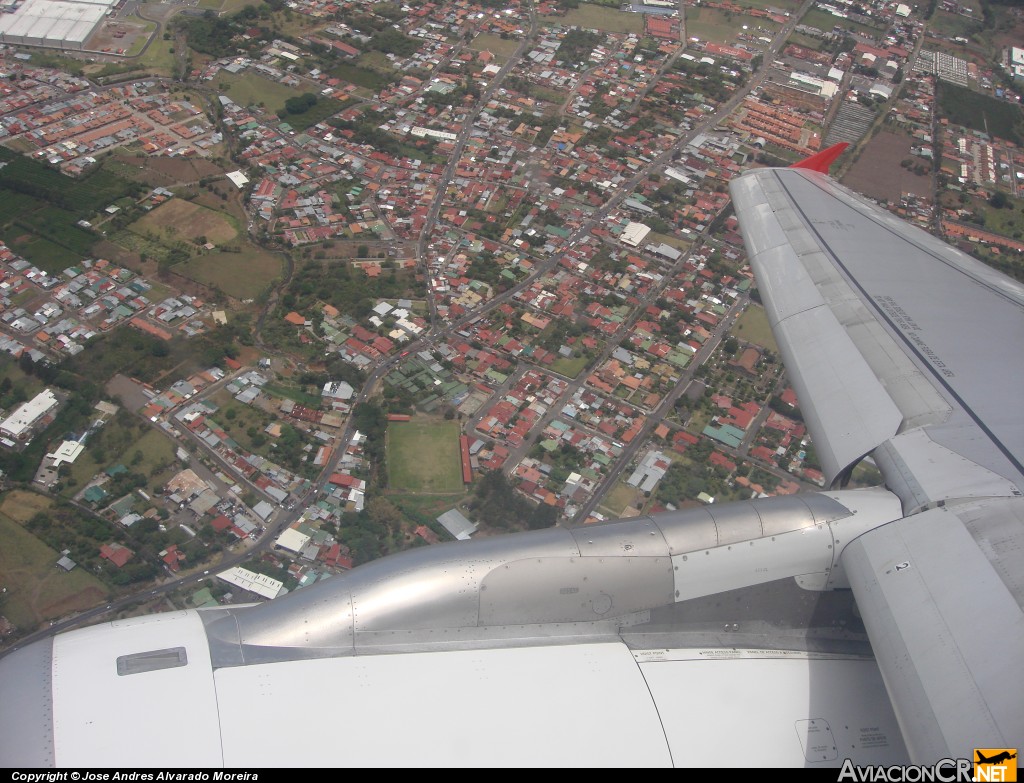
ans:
(634, 233)
(238, 179)
(17, 425)
(56, 24)
(292, 540)
(260, 584)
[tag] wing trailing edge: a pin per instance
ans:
(822, 161)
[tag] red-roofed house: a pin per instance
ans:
(116, 554)
(221, 523)
(172, 557)
(427, 534)
(718, 459)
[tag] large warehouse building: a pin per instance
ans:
(56, 24)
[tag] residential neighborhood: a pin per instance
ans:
(274, 308)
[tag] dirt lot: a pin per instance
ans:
(878, 173)
(179, 219)
(129, 391)
(160, 171)
(117, 36)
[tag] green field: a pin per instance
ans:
(119, 442)
(58, 225)
(179, 219)
(37, 590)
(40, 181)
(321, 110)
(595, 17)
(294, 393)
(981, 112)
(621, 497)
(710, 24)
(423, 456)
(779, 5)
(570, 368)
(806, 41)
(250, 89)
(242, 275)
(753, 327)
(362, 77)
(39, 209)
(955, 25)
(496, 45)
(47, 255)
(825, 21)
(668, 239)
(16, 206)
(1008, 221)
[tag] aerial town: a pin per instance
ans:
(290, 285)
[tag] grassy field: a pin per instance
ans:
(570, 368)
(250, 89)
(955, 25)
(423, 456)
(321, 110)
(780, 5)
(21, 506)
(596, 17)
(37, 590)
(981, 112)
(295, 393)
(622, 497)
(39, 209)
(806, 41)
(137, 355)
(239, 275)
(120, 444)
(29, 384)
(16, 206)
(234, 6)
(142, 32)
(671, 241)
(179, 219)
(710, 24)
(825, 21)
(365, 77)
(45, 254)
(159, 57)
(496, 45)
(753, 327)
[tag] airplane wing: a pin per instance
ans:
(878, 625)
(902, 348)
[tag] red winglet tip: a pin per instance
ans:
(821, 161)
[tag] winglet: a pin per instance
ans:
(820, 161)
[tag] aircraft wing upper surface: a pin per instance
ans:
(902, 348)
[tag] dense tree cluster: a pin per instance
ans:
(574, 50)
(497, 505)
(299, 104)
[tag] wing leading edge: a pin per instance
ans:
(904, 349)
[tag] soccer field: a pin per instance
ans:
(423, 456)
